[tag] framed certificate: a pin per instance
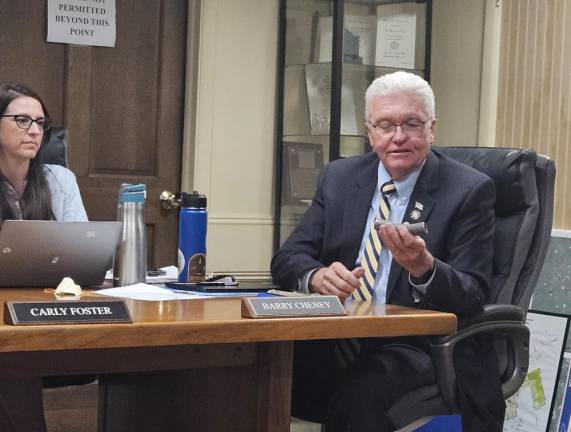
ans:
(302, 164)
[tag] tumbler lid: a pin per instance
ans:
(194, 199)
(129, 192)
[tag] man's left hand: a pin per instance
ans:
(408, 250)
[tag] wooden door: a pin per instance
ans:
(123, 106)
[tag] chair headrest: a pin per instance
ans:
(516, 209)
(512, 170)
(56, 147)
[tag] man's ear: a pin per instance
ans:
(368, 129)
(432, 129)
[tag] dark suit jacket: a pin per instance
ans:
(454, 200)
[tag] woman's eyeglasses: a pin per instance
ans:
(25, 122)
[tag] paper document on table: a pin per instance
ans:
(146, 292)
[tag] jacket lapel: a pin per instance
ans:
(419, 208)
(357, 210)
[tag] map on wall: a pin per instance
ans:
(562, 409)
(529, 408)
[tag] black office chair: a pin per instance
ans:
(55, 152)
(524, 211)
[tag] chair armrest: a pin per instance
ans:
(494, 312)
(507, 321)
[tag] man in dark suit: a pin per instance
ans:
(448, 271)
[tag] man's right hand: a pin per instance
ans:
(336, 280)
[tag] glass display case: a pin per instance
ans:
(329, 52)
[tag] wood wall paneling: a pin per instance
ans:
(534, 97)
(127, 80)
(26, 59)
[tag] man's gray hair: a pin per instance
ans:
(400, 81)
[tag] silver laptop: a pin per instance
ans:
(42, 253)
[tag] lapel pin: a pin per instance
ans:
(415, 215)
(418, 205)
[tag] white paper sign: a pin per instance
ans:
(396, 36)
(82, 22)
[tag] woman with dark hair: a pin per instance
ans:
(29, 189)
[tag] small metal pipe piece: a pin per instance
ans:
(418, 229)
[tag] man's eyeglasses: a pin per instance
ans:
(412, 127)
(25, 122)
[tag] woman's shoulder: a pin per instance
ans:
(58, 171)
(59, 177)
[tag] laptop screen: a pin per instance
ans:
(42, 253)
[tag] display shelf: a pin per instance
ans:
(329, 53)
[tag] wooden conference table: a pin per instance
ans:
(192, 365)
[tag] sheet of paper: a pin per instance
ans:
(82, 22)
(353, 87)
(396, 37)
(318, 81)
(146, 292)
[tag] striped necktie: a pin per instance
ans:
(347, 350)
(373, 247)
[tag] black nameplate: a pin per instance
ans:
(298, 306)
(66, 312)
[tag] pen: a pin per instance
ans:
(287, 293)
(205, 283)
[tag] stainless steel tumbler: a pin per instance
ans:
(130, 261)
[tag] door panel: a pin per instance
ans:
(123, 106)
(26, 57)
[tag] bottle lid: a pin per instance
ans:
(193, 199)
(129, 192)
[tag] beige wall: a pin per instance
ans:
(456, 68)
(230, 133)
(490, 73)
(464, 70)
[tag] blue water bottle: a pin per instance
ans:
(192, 225)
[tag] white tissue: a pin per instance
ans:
(68, 287)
